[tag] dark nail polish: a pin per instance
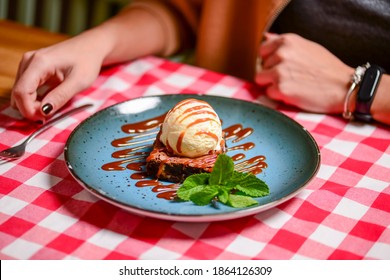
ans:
(47, 108)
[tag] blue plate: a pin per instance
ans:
(291, 155)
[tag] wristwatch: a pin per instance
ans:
(366, 93)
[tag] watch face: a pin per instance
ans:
(369, 84)
(366, 93)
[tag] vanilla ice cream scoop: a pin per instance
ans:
(192, 129)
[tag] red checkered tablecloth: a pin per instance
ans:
(343, 213)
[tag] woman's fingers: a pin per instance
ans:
(43, 76)
(24, 62)
(270, 45)
(266, 77)
(61, 94)
(271, 61)
(24, 92)
(28, 106)
(302, 73)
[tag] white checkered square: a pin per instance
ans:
(179, 80)
(43, 180)
(71, 258)
(115, 84)
(274, 218)
(107, 239)
(91, 98)
(192, 230)
(372, 184)
(245, 246)
(221, 90)
(65, 123)
(153, 90)
(342, 147)
(304, 194)
(379, 251)
(10, 205)
(328, 236)
(326, 171)
(5, 166)
(300, 257)
(384, 160)
(138, 67)
(316, 118)
(351, 209)
(21, 249)
(86, 196)
(158, 253)
(36, 145)
(57, 222)
(359, 128)
(61, 156)
(87, 100)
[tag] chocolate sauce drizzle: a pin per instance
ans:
(134, 150)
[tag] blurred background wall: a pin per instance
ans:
(65, 16)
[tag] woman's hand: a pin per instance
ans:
(303, 73)
(48, 78)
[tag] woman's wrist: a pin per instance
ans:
(370, 101)
(101, 40)
(95, 42)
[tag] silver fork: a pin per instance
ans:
(19, 150)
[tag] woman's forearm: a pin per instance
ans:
(131, 34)
(144, 28)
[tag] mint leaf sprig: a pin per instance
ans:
(230, 187)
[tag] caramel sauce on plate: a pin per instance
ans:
(132, 155)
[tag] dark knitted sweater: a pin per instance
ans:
(356, 31)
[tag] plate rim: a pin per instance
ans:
(239, 213)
